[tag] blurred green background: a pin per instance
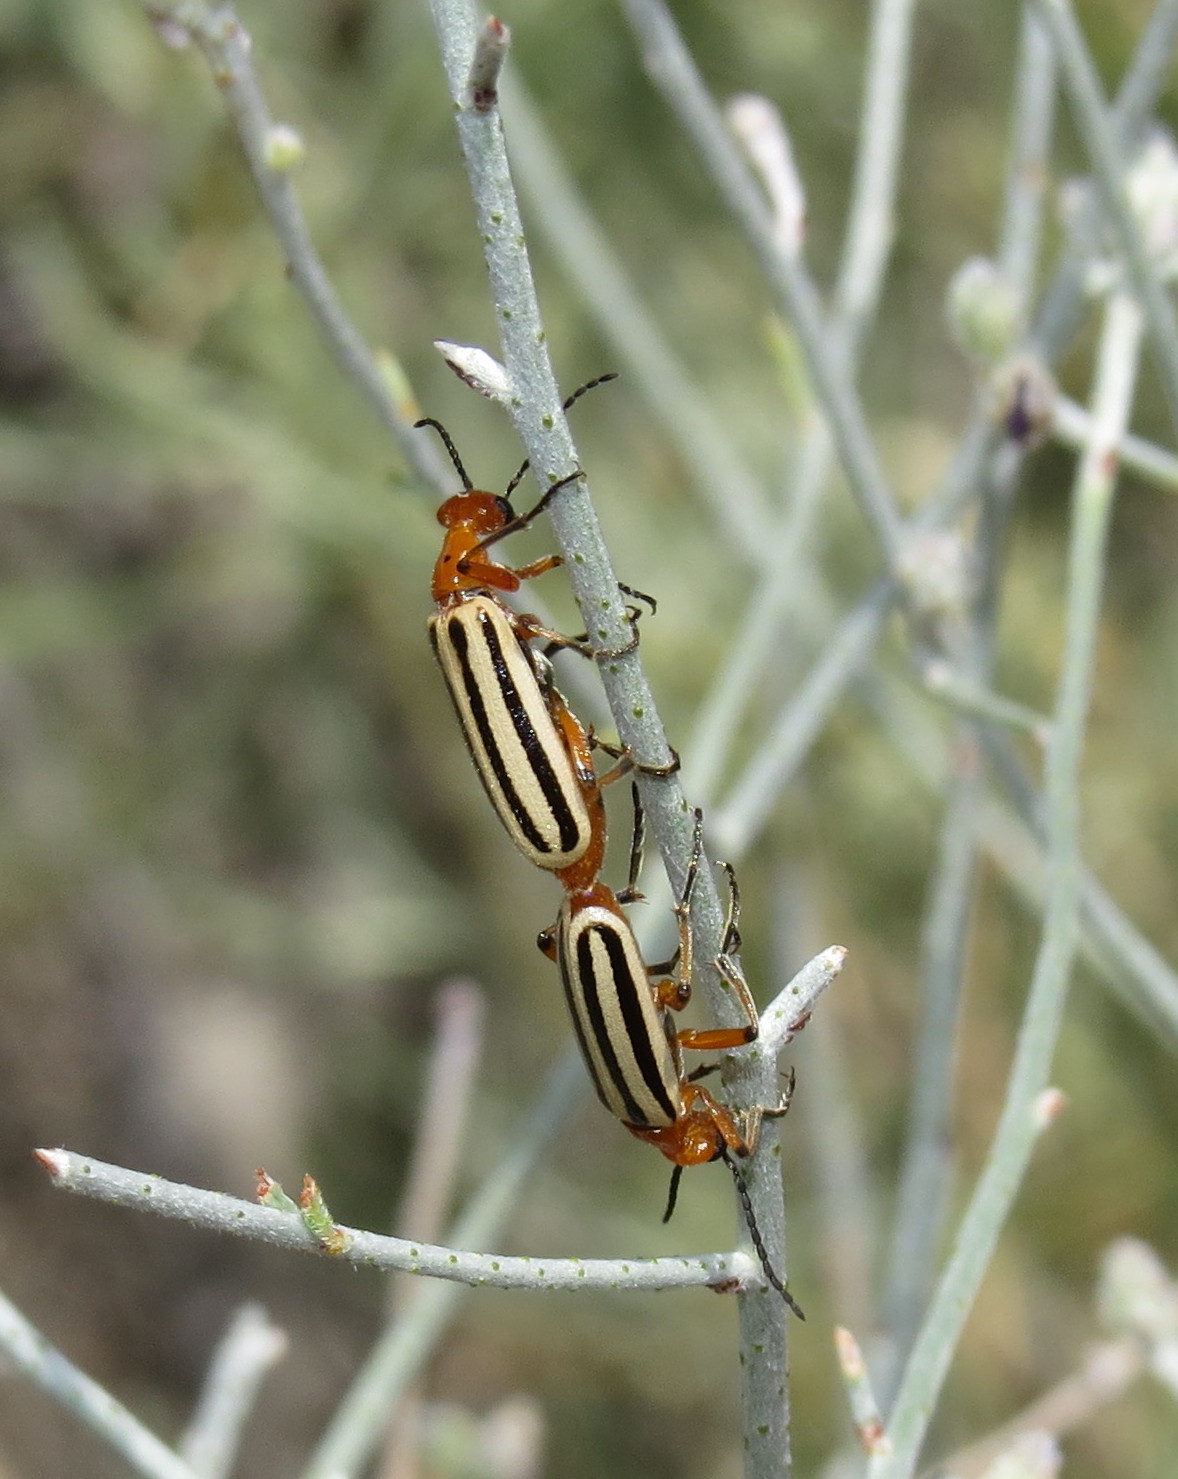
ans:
(241, 842)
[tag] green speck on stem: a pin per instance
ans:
(638, 713)
(758, 1350)
(763, 1430)
(496, 218)
(415, 1253)
(507, 313)
(87, 1169)
(578, 559)
(546, 422)
(625, 1268)
(487, 240)
(146, 1189)
(520, 242)
(495, 1268)
(542, 336)
(240, 1216)
(453, 1258)
(580, 1273)
(540, 1274)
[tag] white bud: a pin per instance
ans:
(478, 369)
(984, 312)
(284, 148)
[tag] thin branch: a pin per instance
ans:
(29, 1351)
(1069, 427)
(441, 1130)
(925, 1169)
(222, 1213)
(1106, 1372)
(671, 68)
(251, 1346)
(719, 471)
(788, 1012)
(225, 44)
(789, 586)
(1097, 129)
(1020, 1124)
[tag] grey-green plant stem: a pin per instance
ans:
(925, 1168)
(1097, 129)
(871, 220)
(225, 44)
(251, 1346)
(440, 1134)
(785, 748)
(1106, 1372)
(721, 476)
(945, 682)
(739, 818)
(788, 585)
(786, 1014)
(1019, 1125)
(221, 1213)
(1148, 74)
(30, 1353)
(670, 66)
(1069, 427)
(542, 428)
(1027, 172)
(538, 418)
(1131, 967)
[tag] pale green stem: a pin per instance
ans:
(923, 1185)
(226, 46)
(1097, 128)
(250, 1348)
(722, 477)
(1021, 1122)
(671, 68)
(26, 1349)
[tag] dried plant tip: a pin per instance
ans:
(1048, 1107)
(270, 1192)
(478, 369)
(490, 52)
(56, 1162)
(864, 1409)
(283, 148)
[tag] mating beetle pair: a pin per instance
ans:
(534, 758)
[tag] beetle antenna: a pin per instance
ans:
(746, 1204)
(673, 1194)
(450, 447)
(576, 396)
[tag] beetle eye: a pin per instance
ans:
(505, 508)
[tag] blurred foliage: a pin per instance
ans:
(241, 840)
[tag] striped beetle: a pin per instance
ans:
(621, 1018)
(531, 753)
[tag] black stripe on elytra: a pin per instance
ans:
(566, 823)
(625, 989)
(578, 1026)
